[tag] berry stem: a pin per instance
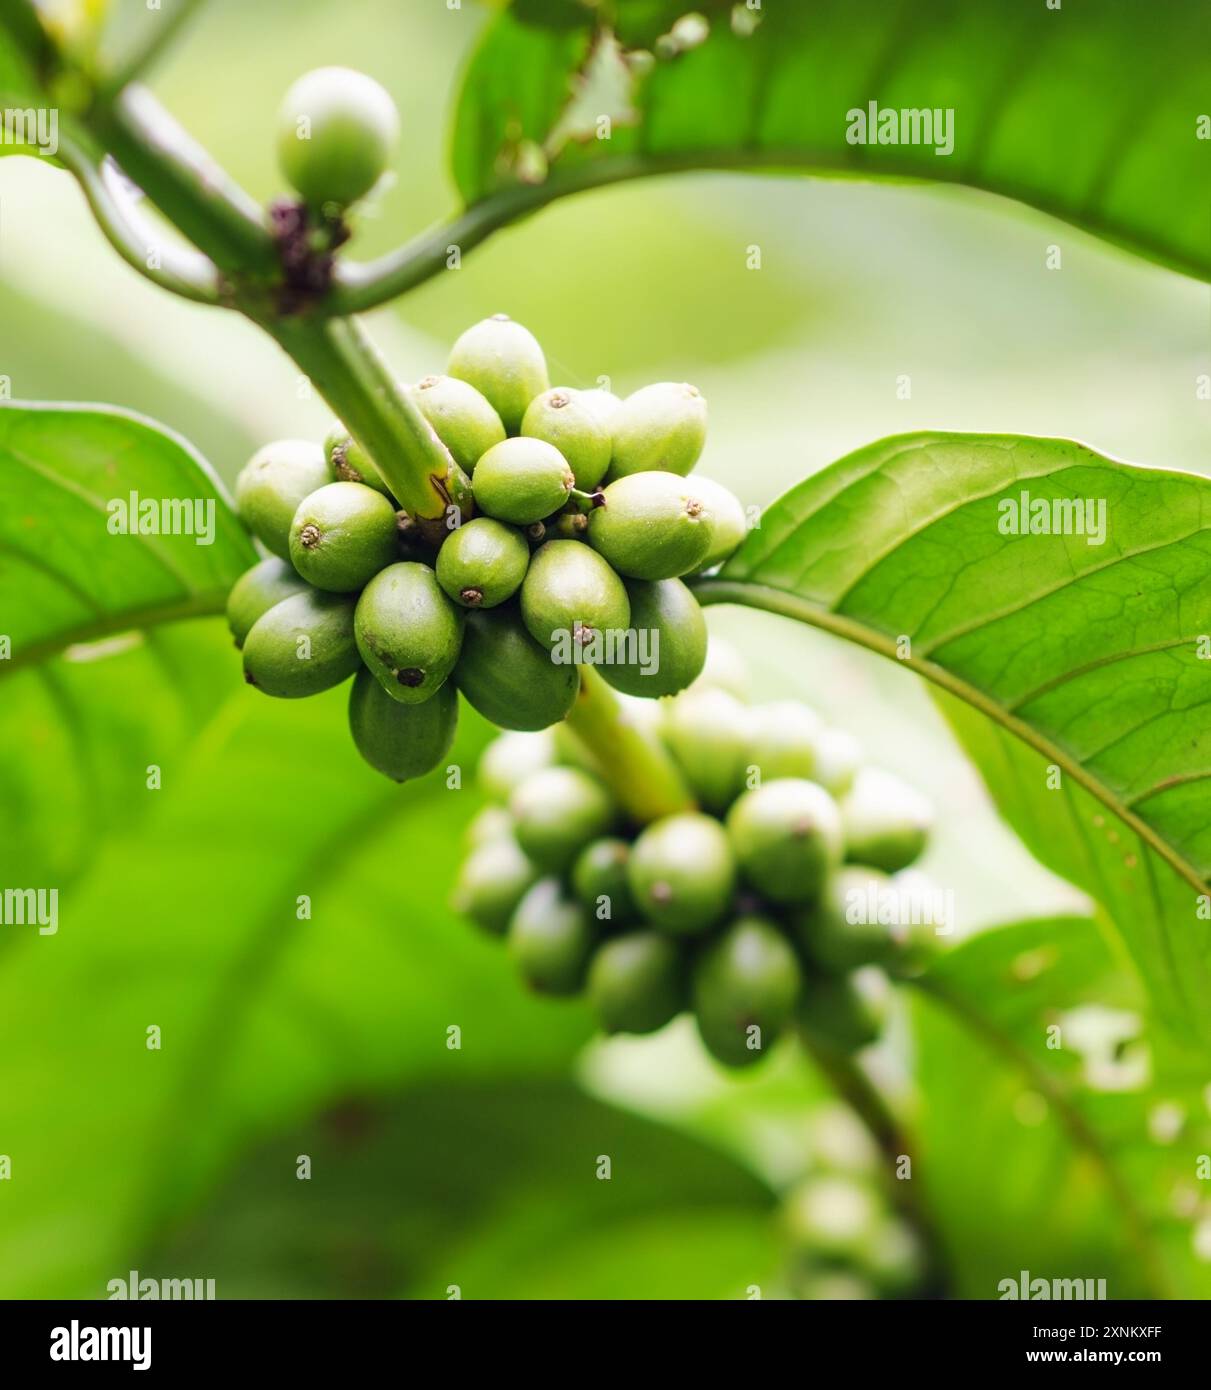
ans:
(640, 773)
(349, 372)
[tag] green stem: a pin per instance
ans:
(636, 767)
(348, 371)
(161, 28)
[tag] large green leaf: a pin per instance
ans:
(493, 1188)
(1090, 653)
(1089, 113)
(187, 921)
(1056, 1131)
(67, 575)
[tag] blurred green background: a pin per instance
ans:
(327, 1037)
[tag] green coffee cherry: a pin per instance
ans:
(784, 740)
(569, 526)
(350, 463)
(504, 362)
(682, 873)
(786, 836)
(508, 677)
(707, 733)
(831, 1216)
(671, 640)
(604, 405)
(509, 759)
(522, 480)
(401, 741)
(745, 985)
(658, 427)
(651, 526)
(555, 811)
(464, 420)
(562, 419)
(569, 596)
(482, 563)
(256, 591)
(887, 822)
(487, 824)
(550, 939)
(302, 645)
(342, 535)
(837, 1013)
(850, 923)
(725, 670)
(894, 1258)
(600, 883)
(337, 131)
(923, 925)
(728, 523)
(272, 484)
(492, 881)
(838, 758)
(636, 983)
(408, 631)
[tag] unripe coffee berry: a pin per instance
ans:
(569, 596)
(658, 427)
(522, 480)
(342, 535)
(400, 741)
(302, 645)
(555, 811)
(728, 523)
(509, 759)
(482, 563)
(668, 619)
(599, 880)
(636, 983)
(504, 362)
(505, 675)
(337, 132)
(786, 836)
(465, 420)
(651, 526)
(887, 822)
(272, 484)
(256, 591)
(561, 418)
(550, 939)
(408, 631)
(745, 985)
(350, 463)
(492, 881)
(682, 873)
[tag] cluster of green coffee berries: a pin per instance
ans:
(845, 1241)
(583, 523)
(784, 900)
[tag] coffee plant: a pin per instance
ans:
(647, 828)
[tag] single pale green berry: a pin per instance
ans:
(401, 741)
(350, 463)
(337, 132)
(302, 645)
(784, 737)
(745, 985)
(706, 730)
(651, 526)
(522, 480)
(571, 600)
(786, 836)
(465, 420)
(636, 982)
(599, 880)
(841, 1012)
(272, 484)
(551, 939)
(886, 822)
(727, 522)
(557, 810)
(482, 563)
(682, 873)
(408, 631)
(510, 758)
(658, 427)
(838, 758)
(256, 591)
(669, 646)
(487, 824)
(511, 680)
(342, 535)
(832, 1216)
(604, 405)
(852, 921)
(504, 362)
(562, 419)
(492, 881)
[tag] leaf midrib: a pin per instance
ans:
(791, 605)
